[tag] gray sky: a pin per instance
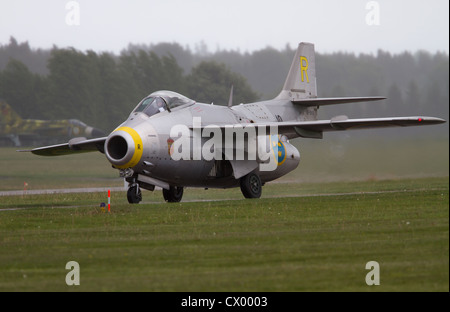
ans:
(244, 25)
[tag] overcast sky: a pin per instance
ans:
(244, 25)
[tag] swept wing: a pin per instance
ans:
(315, 128)
(74, 146)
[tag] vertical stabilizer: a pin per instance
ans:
(7, 115)
(301, 80)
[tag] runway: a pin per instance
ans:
(115, 189)
(61, 191)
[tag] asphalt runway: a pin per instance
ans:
(105, 189)
(61, 191)
(115, 189)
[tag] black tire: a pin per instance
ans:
(174, 194)
(134, 194)
(251, 186)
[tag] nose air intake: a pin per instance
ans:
(123, 148)
(117, 147)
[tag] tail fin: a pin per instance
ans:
(300, 86)
(301, 80)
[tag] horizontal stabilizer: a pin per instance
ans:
(337, 100)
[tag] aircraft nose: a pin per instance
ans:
(123, 148)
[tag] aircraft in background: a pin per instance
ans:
(173, 142)
(15, 131)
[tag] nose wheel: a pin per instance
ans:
(134, 194)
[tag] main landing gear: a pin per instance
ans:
(251, 186)
(173, 194)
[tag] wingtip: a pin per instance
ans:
(431, 120)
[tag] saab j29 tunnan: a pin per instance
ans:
(173, 142)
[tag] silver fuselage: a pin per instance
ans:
(156, 160)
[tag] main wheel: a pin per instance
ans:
(134, 194)
(174, 194)
(251, 186)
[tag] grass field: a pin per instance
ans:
(315, 229)
(289, 240)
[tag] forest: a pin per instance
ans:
(101, 88)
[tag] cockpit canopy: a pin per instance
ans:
(161, 101)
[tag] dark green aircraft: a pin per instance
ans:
(15, 131)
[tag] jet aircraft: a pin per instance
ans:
(15, 131)
(173, 142)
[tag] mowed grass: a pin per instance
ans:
(289, 240)
(40, 172)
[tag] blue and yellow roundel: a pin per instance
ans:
(278, 148)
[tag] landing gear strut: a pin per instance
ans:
(251, 186)
(173, 194)
(134, 194)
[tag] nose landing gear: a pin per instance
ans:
(172, 195)
(134, 194)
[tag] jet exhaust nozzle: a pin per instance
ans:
(123, 148)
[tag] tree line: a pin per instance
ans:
(102, 88)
